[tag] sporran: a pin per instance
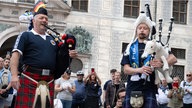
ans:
(136, 99)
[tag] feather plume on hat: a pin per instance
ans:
(142, 18)
(38, 5)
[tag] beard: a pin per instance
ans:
(143, 36)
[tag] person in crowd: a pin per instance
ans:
(6, 63)
(79, 94)
(65, 88)
(1, 90)
(119, 104)
(175, 94)
(162, 98)
(9, 100)
(112, 88)
(8, 55)
(92, 84)
(5, 85)
(12, 92)
(134, 66)
(186, 85)
(39, 52)
(112, 73)
(120, 97)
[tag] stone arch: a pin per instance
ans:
(8, 36)
(8, 33)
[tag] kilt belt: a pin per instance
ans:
(42, 96)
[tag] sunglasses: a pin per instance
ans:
(188, 75)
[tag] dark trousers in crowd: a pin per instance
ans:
(187, 105)
(78, 104)
(162, 106)
(92, 102)
(13, 102)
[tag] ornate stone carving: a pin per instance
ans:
(84, 39)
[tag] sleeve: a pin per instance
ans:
(105, 85)
(100, 91)
(9, 77)
(73, 83)
(107, 95)
(125, 60)
(181, 84)
(57, 81)
(20, 42)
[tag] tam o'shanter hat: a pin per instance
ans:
(142, 18)
(41, 11)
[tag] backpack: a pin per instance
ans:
(4, 82)
(4, 78)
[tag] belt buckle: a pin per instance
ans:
(46, 72)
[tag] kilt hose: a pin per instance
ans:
(26, 92)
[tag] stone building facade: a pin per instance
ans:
(105, 22)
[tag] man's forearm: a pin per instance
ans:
(171, 59)
(129, 70)
(14, 63)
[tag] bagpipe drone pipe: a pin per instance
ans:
(65, 43)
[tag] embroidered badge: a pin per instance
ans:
(52, 42)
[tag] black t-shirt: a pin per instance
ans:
(36, 51)
(139, 85)
(92, 89)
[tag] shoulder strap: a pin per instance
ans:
(184, 83)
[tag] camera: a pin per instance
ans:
(176, 84)
(5, 94)
(92, 70)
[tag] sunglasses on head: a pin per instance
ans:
(68, 71)
(188, 75)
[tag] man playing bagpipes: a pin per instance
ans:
(141, 92)
(40, 52)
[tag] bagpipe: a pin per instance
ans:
(148, 14)
(169, 31)
(65, 43)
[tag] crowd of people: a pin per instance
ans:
(84, 92)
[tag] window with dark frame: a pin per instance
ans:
(178, 70)
(180, 11)
(26, 1)
(124, 46)
(80, 5)
(178, 53)
(131, 8)
(123, 76)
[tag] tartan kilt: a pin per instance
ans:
(26, 92)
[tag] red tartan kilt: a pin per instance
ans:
(26, 93)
